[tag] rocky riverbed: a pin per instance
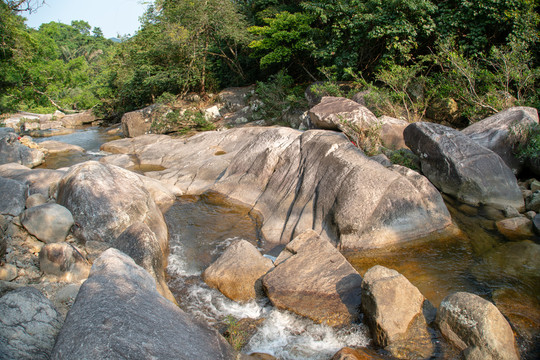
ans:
(93, 240)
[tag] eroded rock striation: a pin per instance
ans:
(298, 181)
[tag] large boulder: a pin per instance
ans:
(78, 119)
(105, 200)
(64, 261)
(118, 313)
(499, 132)
(12, 151)
(391, 132)
(141, 244)
(458, 166)
(476, 327)
(393, 309)
(314, 280)
(48, 222)
(238, 271)
(335, 113)
(28, 325)
(138, 122)
(39, 180)
(12, 196)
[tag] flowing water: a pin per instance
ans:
(201, 227)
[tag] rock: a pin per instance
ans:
(498, 133)
(119, 311)
(290, 178)
(105, 200)
(121, 160)
(164, 195)
(476, 327)
(360, 97)
(211, 113)
(511, 212)
(356, 354)
(94, 249)
(139, 122)
(393, 309)
(536, 224)
(35, 200)
(8, 272)
(238, 271)
(515, 229)
(535, 185)
(46, 125)
(63, 260)
(314, 280)
(55, 147)
(6, 286)
(79, 119)
(48, 222)
(38, 180)
(391, 132)
(235, 98)
(381, 159)
(334, 113)
(458, 166)
(28, 325)
(533, 202)
(12, 196)
(141, 244)
(12, 151)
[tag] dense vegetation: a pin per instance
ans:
(465, 59)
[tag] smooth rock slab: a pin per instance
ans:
(237, 272)
(314, 280)
(12, 196)
(476, 327)
(28, 325)
(48, 222)
(460, 167)
(118, 314)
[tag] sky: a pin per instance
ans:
(114, 17)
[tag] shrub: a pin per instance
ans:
(181, 122)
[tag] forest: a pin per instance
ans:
(410, 55)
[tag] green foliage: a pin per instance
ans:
(234, 334)
(527, 139)
(404, 157)
(367, 139)
(181, 122)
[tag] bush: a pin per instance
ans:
(181, 122)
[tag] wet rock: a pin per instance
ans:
(393, 309)
(497, 133)
(12, 196)
(356, 354)
(141, 244)
(105, 200)
(458, 166)
(476, 327)
(8, 272)
(48, 222)
(63, 260)
(55, 147)
(38, 180)
(237, 272)
(119, 311)
(35, 200)
(391, 132)
(12, 151)
(314, 280)
(335, 113)
(28, 325)
(515, 229)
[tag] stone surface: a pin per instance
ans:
(533, 202)
(63, 260)
(48, 222)
(497, 132)
(35, 200)
(314, 280)
(79, 119)
(12, 151)
(119, 314)
(105, 200)
(28, 325)
(518, 228)
(141, 244)
(38, 180)
(163, 194)
(8, 272)
(536, 224)
(235, 98)
(55, 147)
(237, 272)
(12, 196)
(458, 166)
(391, 132)
(335, 113)
(290, 178)
(393, 309)
(121, 160)
(138, 122)
(476, 327)
(356, 354)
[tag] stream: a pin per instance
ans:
(201, 228)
